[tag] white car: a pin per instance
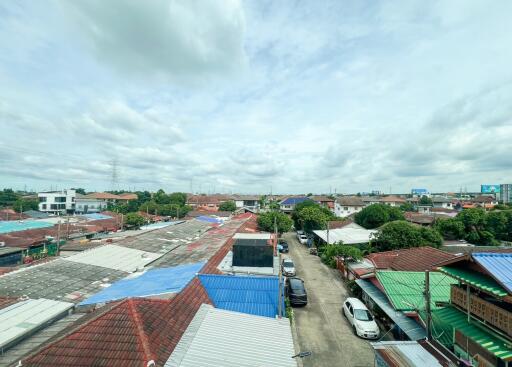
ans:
(303, 239)
(288, 268)
(360, 319)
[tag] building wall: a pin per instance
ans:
(506, 193)
(57, 201)
(90, 205)
(345, 211)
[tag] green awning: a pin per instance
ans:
(475, 279)
(405, 288)
(446, 320)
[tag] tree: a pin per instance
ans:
(149, 207)
(178, 198)
(496, 222)
(266, 222)
(331, 251)
(161, 197)
(407, 207)
(227, 206)
(375, 215)
(450, 228)
(313, 217)
(8, 197)
(24, 205)
(80, 191)
(134, 220)
(143, 196)
(425, 200)
(402, 234)
(298, 208)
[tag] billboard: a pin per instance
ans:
(419, 192)
(489, 189)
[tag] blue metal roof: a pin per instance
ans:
(205, 218)
(411, 328)
(498, 265)
(152, 282)
(294, 201)
(251, 295)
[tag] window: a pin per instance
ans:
(345, 208)
(363, 315)
(53, 206)
(44, 206)
(42, 199)
(60, 199)
(62, 206)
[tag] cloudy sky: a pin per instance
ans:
(249, 96)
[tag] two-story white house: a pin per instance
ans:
(251, 202)
(57, 201)
(347, 205)
(441, 202)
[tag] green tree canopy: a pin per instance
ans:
(8, 197)
(330, 251)
(80, 191)
(134, 220)
(450, 228)
(375, 215)
(402, 234)
(227, 206)
(314, 217)
(425, 200)
(25, 204)
(178, 198)
(407, 207)
(266, 222)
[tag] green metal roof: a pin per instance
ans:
(405, 288)
(446, 320)
(475, 279)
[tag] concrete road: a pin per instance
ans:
(321, 327)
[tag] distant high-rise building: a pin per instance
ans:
(506, 193)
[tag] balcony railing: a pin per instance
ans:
(493, 315)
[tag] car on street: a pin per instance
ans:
(282, 246)
(303, 239)
(360, 319)
(288, 268)
(296, 292)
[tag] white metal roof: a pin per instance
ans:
(348, 235)
(253, 236)
(115, 257)
(220, 338)
(23, 317)
(226, 266)
(409, 353)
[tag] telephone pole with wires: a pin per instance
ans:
(427, 305)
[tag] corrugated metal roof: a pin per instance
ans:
(405, 354)
(445, 320)
(410, 327)
(294, 201)
(252, 295)
(24, 317)
(220, 338)
(9, 250)
(253, 236)
(498, 265)
(476, 280)
(405, 288)
(349, 235)
(115, 257)
(150, 283)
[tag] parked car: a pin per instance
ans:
(282, 246)
(296, 292)
(288, 268)
(303, 239)
(360, 319)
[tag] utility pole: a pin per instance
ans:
(67, 229)
(327, 232)
(58, 238)
(427, 305)
(280, 289)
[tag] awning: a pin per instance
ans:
(410, 327)
(475, 279)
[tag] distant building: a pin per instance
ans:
(420, 192)
(85, 205)
(347, 205)
(57, 201)
(441, 202)
(251, 202)
(324, 201)
(288, 204)
(506, 193)
(392, 200)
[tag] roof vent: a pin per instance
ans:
(151, 364)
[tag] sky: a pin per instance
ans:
(256, 96)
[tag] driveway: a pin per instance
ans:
(321, 327)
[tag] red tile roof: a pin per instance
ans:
(413, 259)
(132, 333)
(102, 195)
(7, 301)
(335, 224)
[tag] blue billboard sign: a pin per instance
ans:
(419, 192)
(489, 189)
